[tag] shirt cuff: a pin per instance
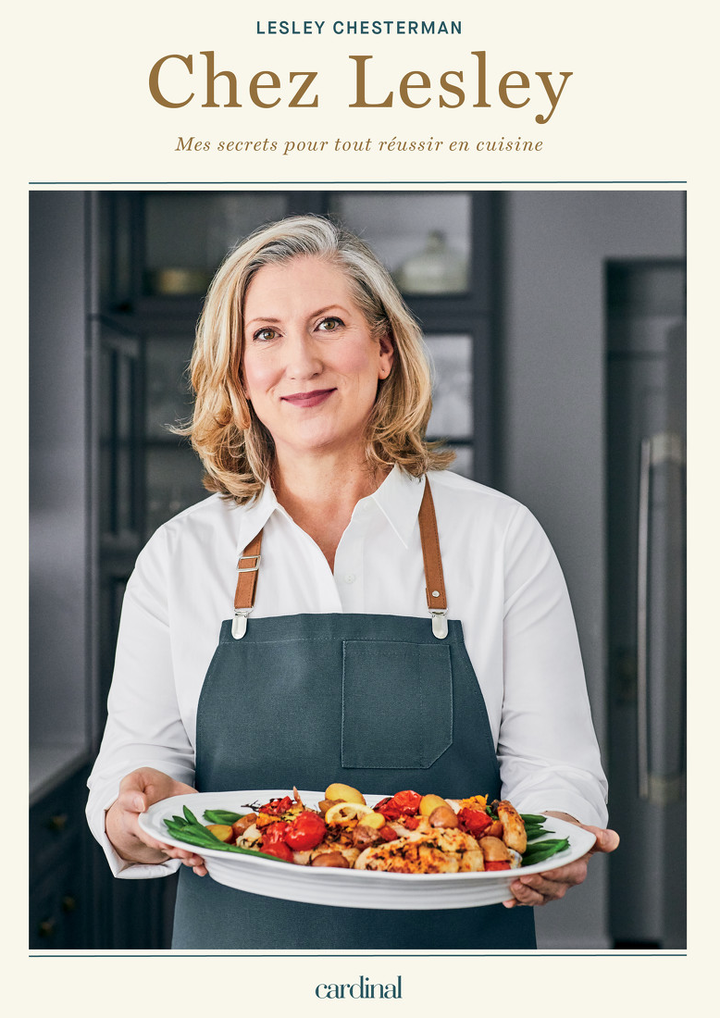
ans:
(121, 867)
(577, 807)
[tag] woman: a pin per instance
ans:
(351, 647)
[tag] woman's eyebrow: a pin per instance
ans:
(263, 318)
(276, 321)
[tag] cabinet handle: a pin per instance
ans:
(69, 904)
(58, 822)
(661, 789)
(47, 928)
(642, 609)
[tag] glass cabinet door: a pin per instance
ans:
(117, 410)
(424, 239)
(452, 418)
(186, 236)
(172, 470)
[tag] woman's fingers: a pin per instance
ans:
(540, 888)
(605, 840)
(191, 859)
(137, 792)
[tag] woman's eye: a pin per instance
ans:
(330, 324)
(264, 334)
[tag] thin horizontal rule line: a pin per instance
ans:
(369, 183)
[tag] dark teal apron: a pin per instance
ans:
(373, 701)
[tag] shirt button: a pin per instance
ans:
(350, 577)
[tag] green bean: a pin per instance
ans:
(195, 839)
(190, 817)
(533, 818)
(221, 816)
(248, 851)
(202, 838)
(198, 828)
(198, 832)
(543, 850)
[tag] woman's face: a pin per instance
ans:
(310, 363)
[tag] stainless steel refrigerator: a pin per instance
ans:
(646, 438)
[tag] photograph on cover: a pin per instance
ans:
(531, 662)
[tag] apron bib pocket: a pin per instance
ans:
(397, 704)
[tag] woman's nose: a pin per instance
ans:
(303, 360)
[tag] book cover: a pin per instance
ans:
(511, 166)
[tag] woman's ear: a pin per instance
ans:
(387, 355)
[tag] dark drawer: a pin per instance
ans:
(59, 907)
(57, 824)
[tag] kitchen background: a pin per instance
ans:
(556, 324)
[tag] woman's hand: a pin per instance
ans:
(138, 791)
(540, 888)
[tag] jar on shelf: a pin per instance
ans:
(437, 269)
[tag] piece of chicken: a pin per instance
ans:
(440, 851)
(250, 837)
(513, 827)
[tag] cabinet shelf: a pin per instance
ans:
(52, 763)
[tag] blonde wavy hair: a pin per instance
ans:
(236, 449)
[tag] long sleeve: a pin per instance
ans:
(144, 726)
(547, 749)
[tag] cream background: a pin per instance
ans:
(640, 108)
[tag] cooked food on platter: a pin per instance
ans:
(406, 833)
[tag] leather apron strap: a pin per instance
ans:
(249, 563)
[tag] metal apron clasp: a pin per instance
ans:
(439, 624)
(239, 622)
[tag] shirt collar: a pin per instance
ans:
(398, 498)
(255, 516)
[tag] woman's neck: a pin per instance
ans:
(321, 493)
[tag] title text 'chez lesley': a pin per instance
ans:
(175, 77)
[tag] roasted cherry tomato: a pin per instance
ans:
(387, 833)
(276, 806)
(280, 850)
(412, 823)
(306, 831)
(401, 804)
(501, 864)
(274, 834)
(474, 821)
(408, 802)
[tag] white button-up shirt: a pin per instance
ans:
(503, 583)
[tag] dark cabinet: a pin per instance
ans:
(61, 889)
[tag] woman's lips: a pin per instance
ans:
(308, 399)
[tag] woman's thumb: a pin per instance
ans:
(607, 841)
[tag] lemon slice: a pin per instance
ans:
(342, 812)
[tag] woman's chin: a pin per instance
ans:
(320, 445)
